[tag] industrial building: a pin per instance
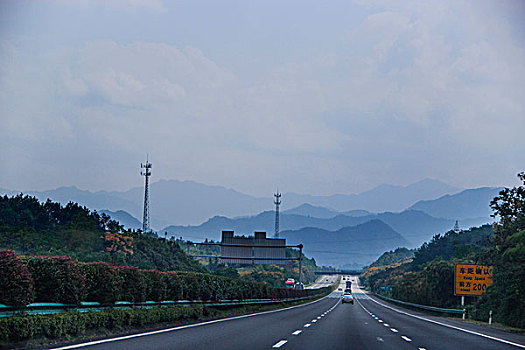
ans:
(249, 252)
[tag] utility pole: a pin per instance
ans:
(300, 264)
(277, 202)
(146, 173)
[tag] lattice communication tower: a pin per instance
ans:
(277, 202)
(456, 227)
(146, 173)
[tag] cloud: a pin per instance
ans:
(411, 90)
(126, 5)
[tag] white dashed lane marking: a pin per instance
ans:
(279, 344)
(406, 338)
(307, 325)
(297, 332)
(394, 330)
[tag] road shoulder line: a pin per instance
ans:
(447, 325)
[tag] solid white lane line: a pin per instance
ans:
(297, 332)
(450, 326)
(307, 325)
(394, 330)
(280, 343)
(406, 338)
(102, 341)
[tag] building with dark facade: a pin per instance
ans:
(274, 248)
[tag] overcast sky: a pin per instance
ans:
(315, 97)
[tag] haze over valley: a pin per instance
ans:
(383, 218)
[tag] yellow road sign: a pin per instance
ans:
(472, 279)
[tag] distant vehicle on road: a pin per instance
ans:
(348, 291)
(348, 284)
(339, 289)
(299, 286)
(347, 298)
(289, 284)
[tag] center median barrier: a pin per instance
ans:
(422, 307)
(54, 308)
(60, 321)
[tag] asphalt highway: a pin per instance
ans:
(324, 324)
(323, 281)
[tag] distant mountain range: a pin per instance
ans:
(124, 218)
(379, 199)
(352, 246)
(307, 209)
(174, 202)
(319, 227)
(415, 226)
(467, 204)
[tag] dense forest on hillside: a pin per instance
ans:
(28, 226)
(429, 278)
(398, 256)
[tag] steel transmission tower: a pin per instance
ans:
(277, 202)
(456, 227)
(146, 173)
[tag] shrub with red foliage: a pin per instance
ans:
(134, 284)
(103, 283)
(174, 286)
(156, 285)
(16, 284)
(57, 279)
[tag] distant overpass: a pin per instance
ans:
(339, 272)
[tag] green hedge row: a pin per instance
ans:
(24, 280)
(14, 329)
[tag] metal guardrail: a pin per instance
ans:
(424, 307)
(54, 308)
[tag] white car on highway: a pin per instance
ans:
(347, 298)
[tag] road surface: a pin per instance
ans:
(324, 324)
(323, 281)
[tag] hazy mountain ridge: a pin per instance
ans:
(124, 218)
(348, 245)
(307, 209)
(174, 202)
(415, 226)
(467, 204)
(379, 199)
